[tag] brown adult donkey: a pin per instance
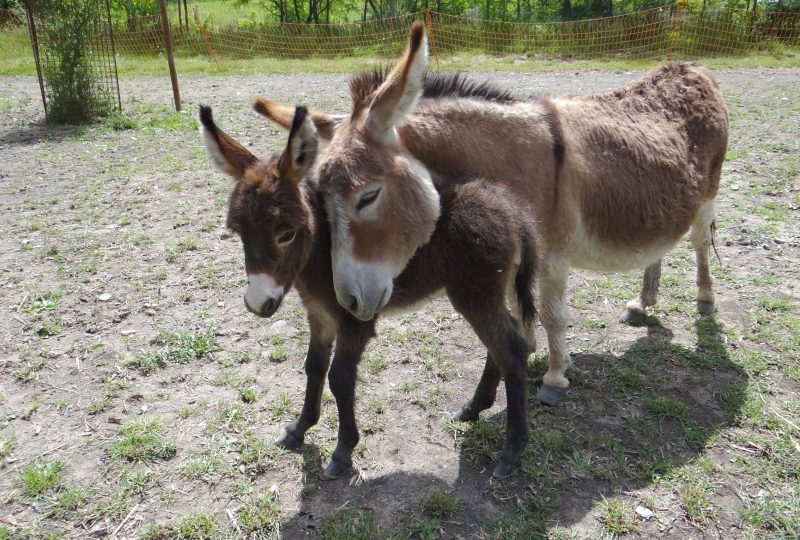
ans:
(614, 180)
(481, 254)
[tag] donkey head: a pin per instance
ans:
(268, 208)
(380, 201)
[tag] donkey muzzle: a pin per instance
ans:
(263, 296)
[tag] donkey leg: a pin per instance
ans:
(701, 241)
(555, 319)
(508, 351)
(317, 361)
(352, 338)
(636, 310)
(485, 393)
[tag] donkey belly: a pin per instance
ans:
(591, 253)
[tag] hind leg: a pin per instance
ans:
(555, 319)
(636, 310)
(701, 241)
(484, 395)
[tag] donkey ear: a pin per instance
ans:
(283, 115)
(395, 98)
(301, 149)
(227, 155)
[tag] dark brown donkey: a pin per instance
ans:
(481, 255)
(614, 180)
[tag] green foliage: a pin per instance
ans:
(67, 40)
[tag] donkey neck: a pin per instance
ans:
(463, 138)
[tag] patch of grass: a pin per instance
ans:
(665, 408)
(98, 405)
(617, 517)
(278, 354)
(184, 246)
(280, 406)
(179, 347)
(117, 121)
(142, 440)
(67, 501)
(7, 446)
(171, 121)
(257, 455)
(47, 301)
(440, 504)
(247, 395)
(696, 500)
(261, 516)
(479, 439)
(377, 364)
(196, 526)
(39, 478)
(778, 517)
(353, 524)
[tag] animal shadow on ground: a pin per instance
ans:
(627, 422)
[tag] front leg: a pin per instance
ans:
(322, 333)
(352, 339)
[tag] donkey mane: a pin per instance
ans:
(435, 85)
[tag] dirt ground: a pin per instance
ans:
(121, 296)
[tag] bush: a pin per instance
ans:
(69, 32)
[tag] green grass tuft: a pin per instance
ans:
(142, 440)
(440, 504)
(40, 478)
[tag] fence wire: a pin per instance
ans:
(667, 32)
(674, 31)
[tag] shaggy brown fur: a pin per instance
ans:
(483, 247)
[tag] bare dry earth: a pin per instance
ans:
(110, 237)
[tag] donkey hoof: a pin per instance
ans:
(633, 317)
(550, 395)
(705, 307)
(289, 440)
(335, 469)
(505, 469)
(466, 415)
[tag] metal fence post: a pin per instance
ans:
(35, 46)
(176, 93)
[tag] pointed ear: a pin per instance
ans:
(301, 149)
(227, 155)
(283, 115)
(395, 98)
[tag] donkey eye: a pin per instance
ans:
(286, 237)
(368, 199)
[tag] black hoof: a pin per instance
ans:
(505, 469)
(633, 317)
(289, 440)
(705, 308)
(550, 395)
(466, 415)
(335, 469)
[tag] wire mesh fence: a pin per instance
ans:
(673, 31)
(75, 58)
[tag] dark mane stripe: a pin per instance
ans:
(436, 85)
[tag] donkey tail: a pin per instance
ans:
(524, 282)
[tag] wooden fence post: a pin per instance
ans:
(176, 93)
(35, 46)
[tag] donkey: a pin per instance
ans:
(482, 253)
(614, 180)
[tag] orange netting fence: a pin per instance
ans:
(673, 31)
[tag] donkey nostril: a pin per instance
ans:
(268, 307)
(353, 304)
